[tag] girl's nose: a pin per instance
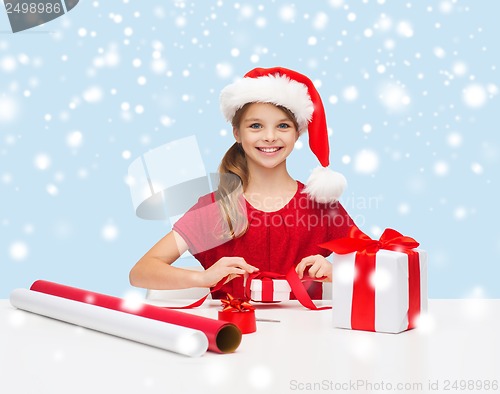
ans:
(270, 135)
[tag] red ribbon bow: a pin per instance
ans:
(363, 300)
(235, 304)
(357, 241)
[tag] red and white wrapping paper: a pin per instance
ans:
(222, 337)
(269, 290)
(378, 285)
(183, 340)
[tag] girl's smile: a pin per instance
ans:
(269, 150)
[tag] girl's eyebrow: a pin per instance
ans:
(252, 120)
(260, 120)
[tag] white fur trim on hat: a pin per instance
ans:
(325, 185)
(275, 89)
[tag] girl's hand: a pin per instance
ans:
(226, 266)
(318, 267)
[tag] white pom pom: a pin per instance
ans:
(325, 185)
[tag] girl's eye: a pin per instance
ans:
(255, 126)
(283, 126)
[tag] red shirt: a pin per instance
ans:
(274, 241)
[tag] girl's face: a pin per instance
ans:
(267, 135)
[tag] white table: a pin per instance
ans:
(458, 339)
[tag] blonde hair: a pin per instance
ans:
(234, 177)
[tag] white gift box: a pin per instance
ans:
(390, 280)
(281, 290)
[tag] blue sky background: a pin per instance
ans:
(411, 94)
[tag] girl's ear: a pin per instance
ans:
(236, 134)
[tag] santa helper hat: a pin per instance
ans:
(296, 92)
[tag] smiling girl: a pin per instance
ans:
(260, 218)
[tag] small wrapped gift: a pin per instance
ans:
(378, 285)
(269, 290)
(264, 286)
(240, 313)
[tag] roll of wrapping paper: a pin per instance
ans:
(223, 337)
(183, 340)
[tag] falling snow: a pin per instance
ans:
(18, 251)
(287, 13)
(441, 168)
(42, 161)
(366, 162)
(474, 95)
(405, 29)
(350, 93)
(411, 120)
(260, 377)
(394, 97)
(109, 232)
(133, 301)
(381, 279)
(74, 139)
(9, 109)
(93, 94)
(454, 139)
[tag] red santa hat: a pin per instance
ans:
(296, 92)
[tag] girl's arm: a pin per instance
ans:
(154, 269)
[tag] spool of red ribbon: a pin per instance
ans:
(240, 313)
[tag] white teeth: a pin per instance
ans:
(268, 150)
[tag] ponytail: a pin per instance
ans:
(233, 180)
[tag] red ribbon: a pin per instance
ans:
(267, 289)
(293, 280)
(363, 299)
(196, 304)
(291, 277)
